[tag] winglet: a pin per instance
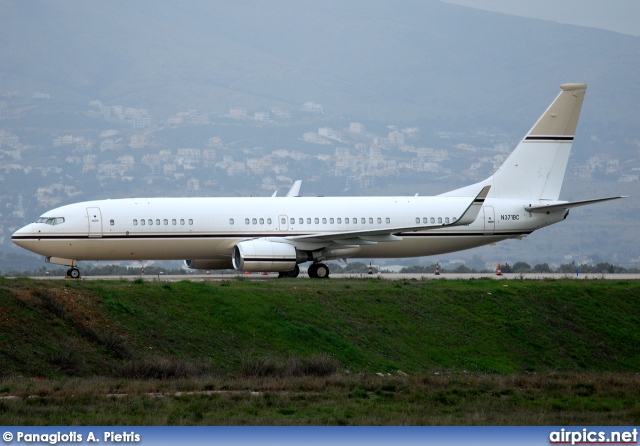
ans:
(295, 189)
(471, 213)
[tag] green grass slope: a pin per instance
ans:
(106, 328)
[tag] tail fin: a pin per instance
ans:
(535, 169)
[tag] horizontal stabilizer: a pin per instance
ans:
(567, 205)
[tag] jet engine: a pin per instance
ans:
(265, 255)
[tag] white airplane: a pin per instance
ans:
(270, 234)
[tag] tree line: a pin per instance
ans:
(349, 268)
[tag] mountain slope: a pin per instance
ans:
(383, 60)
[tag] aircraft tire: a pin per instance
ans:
(313, 271)
(293, 273)
(322, 271)
(74, 273)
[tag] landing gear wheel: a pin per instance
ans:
(322, 271)
(74, 273)
(318, 271)
(290, 274)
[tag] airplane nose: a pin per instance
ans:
(23, 237)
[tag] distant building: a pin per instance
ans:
(261, 116)
(396, 137)
(140, 122)
(281, 113)
(138, 141)
(312, 107)
(238, 113)
(84, 145)
(107, 144)
(215, 143)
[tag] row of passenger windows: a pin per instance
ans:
(316, 220)
(165, 221)
(347, 220)
(432, 220)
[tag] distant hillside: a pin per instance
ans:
(384, 60)
(84, 328)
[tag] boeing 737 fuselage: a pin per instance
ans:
(277, 234)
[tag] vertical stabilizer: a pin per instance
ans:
(535, 169)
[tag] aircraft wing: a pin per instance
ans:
(373, 236)
(568, 205)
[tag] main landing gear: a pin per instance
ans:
(74, 273)
(290, 274)
(318, 271)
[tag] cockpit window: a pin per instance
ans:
(51, 220)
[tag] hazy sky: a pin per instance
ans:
(621, 16)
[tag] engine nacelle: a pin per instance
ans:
(263, 255)
(208, 264)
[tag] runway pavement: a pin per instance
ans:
(215, 275)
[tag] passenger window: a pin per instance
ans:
(166, 222)
(191, 221)
(433, 220)
(269, 221)
(454, 219)
(182, 221)
(158, 221)
(324, 221)
(355, 220)
(346, 220)
(340, 221)
(173, 221)
(388, 220)
(331, 220)
(111, 222)
(446, 220)
(301, 220)
(142, 221)
(283, 221)
(292, 221)
(379, 220)
(439, 219)
(308, 221)
(150, 222)
(417, 219)
(231, 221)
(262, 221)
(135, 222)
(246, 221)
(425, 220)
(254, 221)
(370, 220)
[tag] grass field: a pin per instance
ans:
(319, 352)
